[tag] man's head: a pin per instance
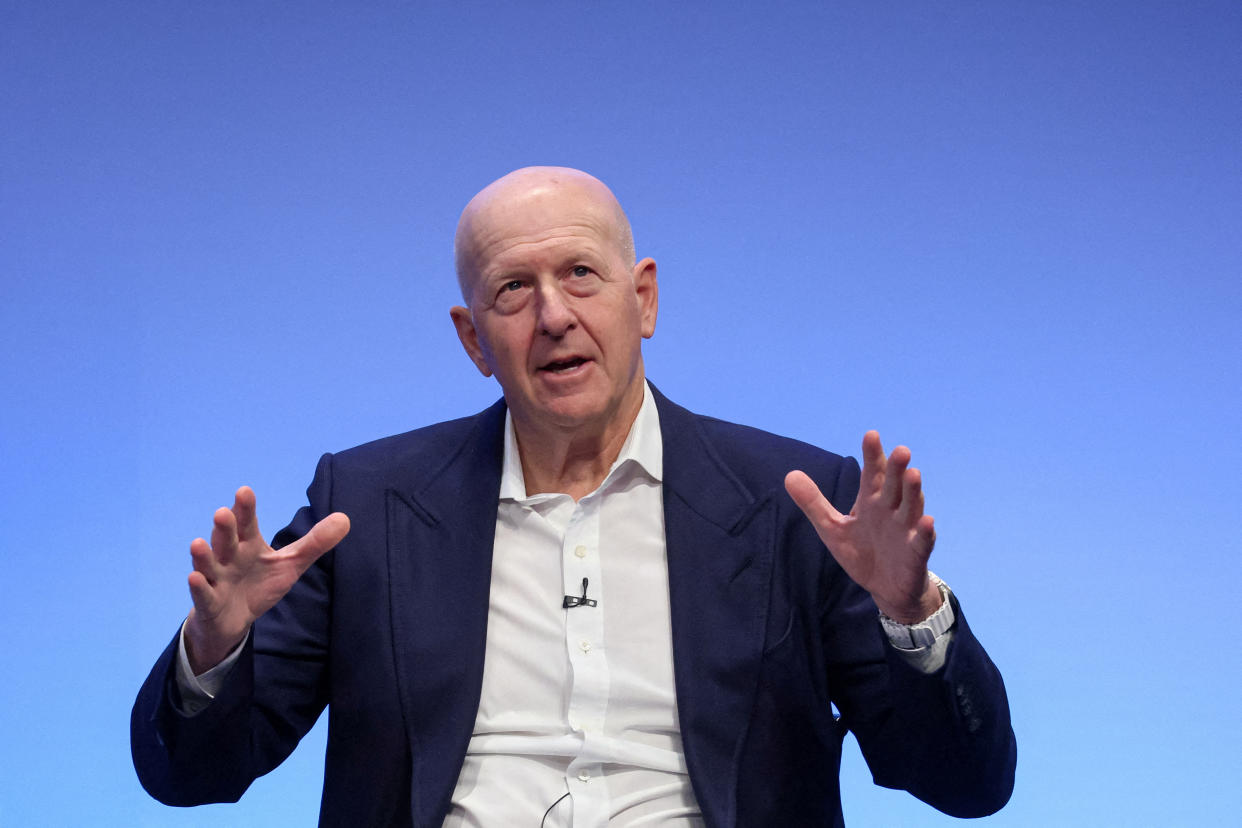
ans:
(557, 306)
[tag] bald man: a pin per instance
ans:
(585, 605)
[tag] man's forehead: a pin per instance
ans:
(534, 203)
(544, 245)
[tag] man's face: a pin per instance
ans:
(557, 312)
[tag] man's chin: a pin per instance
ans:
(587, 407)
(578, 411)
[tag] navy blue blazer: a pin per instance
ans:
(389, 630)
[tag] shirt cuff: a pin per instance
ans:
(927, 660)
(198, 691)
(926, 643)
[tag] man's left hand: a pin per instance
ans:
(885, 540)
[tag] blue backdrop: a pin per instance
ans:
(1005, 234)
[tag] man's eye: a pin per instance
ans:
(582, 270)
(511, 286)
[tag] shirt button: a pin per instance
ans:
(583, 776)
(585, 645)
(580, 551)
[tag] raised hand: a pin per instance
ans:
(238, 577)
(885, 540)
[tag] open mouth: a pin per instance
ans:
(563, 366)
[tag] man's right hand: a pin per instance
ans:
(238, 577)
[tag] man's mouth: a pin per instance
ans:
(562, 366)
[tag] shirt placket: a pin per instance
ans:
(584, 641)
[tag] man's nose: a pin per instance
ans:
(556, 317)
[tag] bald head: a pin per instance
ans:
(535, 199)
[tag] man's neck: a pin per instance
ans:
(574, 462)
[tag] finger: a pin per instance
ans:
(873, 464)
(244, 513)
(894, 474)
(911, 497)
(822, 514)
(203, 560)
(224, 536)
(201, 593)
(324, 535)
(925, 532)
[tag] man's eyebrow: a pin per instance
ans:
(503, 274)
(556, 259)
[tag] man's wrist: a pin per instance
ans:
(197, 691)
(917, 609)
(205, 651)
(923, 633)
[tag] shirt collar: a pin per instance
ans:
(643, 447)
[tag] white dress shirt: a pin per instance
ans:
(579, 701)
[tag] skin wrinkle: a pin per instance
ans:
(494, 276)
(467, 230)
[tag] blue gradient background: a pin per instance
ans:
(1007, 234)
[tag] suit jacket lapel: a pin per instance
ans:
(720, 546)
(441, 529)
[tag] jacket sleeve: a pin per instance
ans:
(269, 700)
(944, 736)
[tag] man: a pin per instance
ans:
(584, 605)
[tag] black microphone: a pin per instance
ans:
(572, 601)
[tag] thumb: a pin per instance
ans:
(822, 514)
(324, 535)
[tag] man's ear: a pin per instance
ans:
(463, 321)
(648, 295)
